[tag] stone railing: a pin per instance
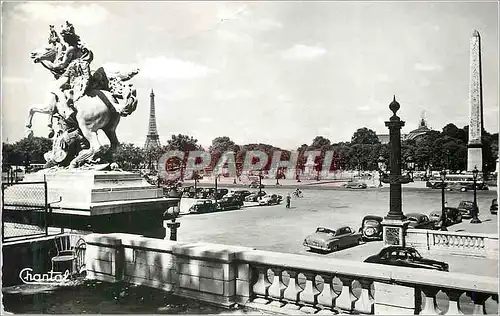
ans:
(457, 243)
(284, 283)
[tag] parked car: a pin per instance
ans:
(494, 206)
(332, 239)
(453, 216)
(256, 185)
(228, 203)
(221, 193)
(354, 185)
(420, 221)
(406, 257)
(243, 193)
(466, 208)
(254, 197)
(206, 206)
(272, 199)
(371, 227)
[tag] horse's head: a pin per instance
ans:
(48, 53)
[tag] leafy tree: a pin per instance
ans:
(31, 148)
(365, 136)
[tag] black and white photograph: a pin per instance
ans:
(250, 157)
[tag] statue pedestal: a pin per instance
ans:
(394, 232)
(103, 201)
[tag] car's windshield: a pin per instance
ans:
(371, 222)
(325, 230)
(412, 253)
(413, 219)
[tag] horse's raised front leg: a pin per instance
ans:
(48, 109)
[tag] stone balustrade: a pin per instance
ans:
(457, 243)
(284, 283)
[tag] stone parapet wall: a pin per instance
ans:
(455, 243)
(226, 275)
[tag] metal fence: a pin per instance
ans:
(25, 210)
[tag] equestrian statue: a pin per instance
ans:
(81, 101)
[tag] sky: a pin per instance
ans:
(271, 72)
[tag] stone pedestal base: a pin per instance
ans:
(394, 232)
(474, 158)
(99, 201)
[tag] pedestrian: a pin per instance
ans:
(288, 198)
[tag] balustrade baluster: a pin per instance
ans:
(365, 303)
(454, 306)
(292, 291)
(468, 242)
(481, 242)
(346, 299)
(327, 297)
(277, 287)
(479, 299)
(461, 242)
(430, 307)
(308, 296)
(260, 288)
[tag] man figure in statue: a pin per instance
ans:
(74, 66)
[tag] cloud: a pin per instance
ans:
(267, 25)
(303, 52)
(233, 37)
(382, 77)
(171, 68)
(227, 12)
(427, 67)
(81, 14)
(229, 95)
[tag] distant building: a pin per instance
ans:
(415, 134)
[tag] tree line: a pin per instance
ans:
(435, 150)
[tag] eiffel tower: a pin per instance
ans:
(152, 138)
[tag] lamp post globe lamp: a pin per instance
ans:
(442, 174)
(475, 219)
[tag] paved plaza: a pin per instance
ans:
(276, 228)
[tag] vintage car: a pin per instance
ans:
(256, 185)
(406, 257)
(332, 239)
(420, 221)
(354, 185)
(254, 197)
(228, 203)
(453, 216)
(466, 208)
(272, 199)
(200, 207)
(371, 227)
(494, 206)
(221, 192)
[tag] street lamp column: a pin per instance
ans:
(395, 223)
(443, 208)
(475, 219)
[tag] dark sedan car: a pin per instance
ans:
(494, 206)
(200, 207)
(371, 227)
(419, 221)
(406, 257)
(228, 203)
(466, 208)
(453, 216)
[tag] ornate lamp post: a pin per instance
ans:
(395, 223)
(171, 214)
(443, 210)
(410, 165)
(215, 194)
(277, 174)
(475, 219)
(260, 184)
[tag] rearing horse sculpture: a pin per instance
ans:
(98, 109)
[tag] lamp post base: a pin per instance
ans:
(394, 232)
(475, 221)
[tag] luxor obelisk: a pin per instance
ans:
(475, 151)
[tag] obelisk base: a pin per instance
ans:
(474, 158)
(394, 232)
